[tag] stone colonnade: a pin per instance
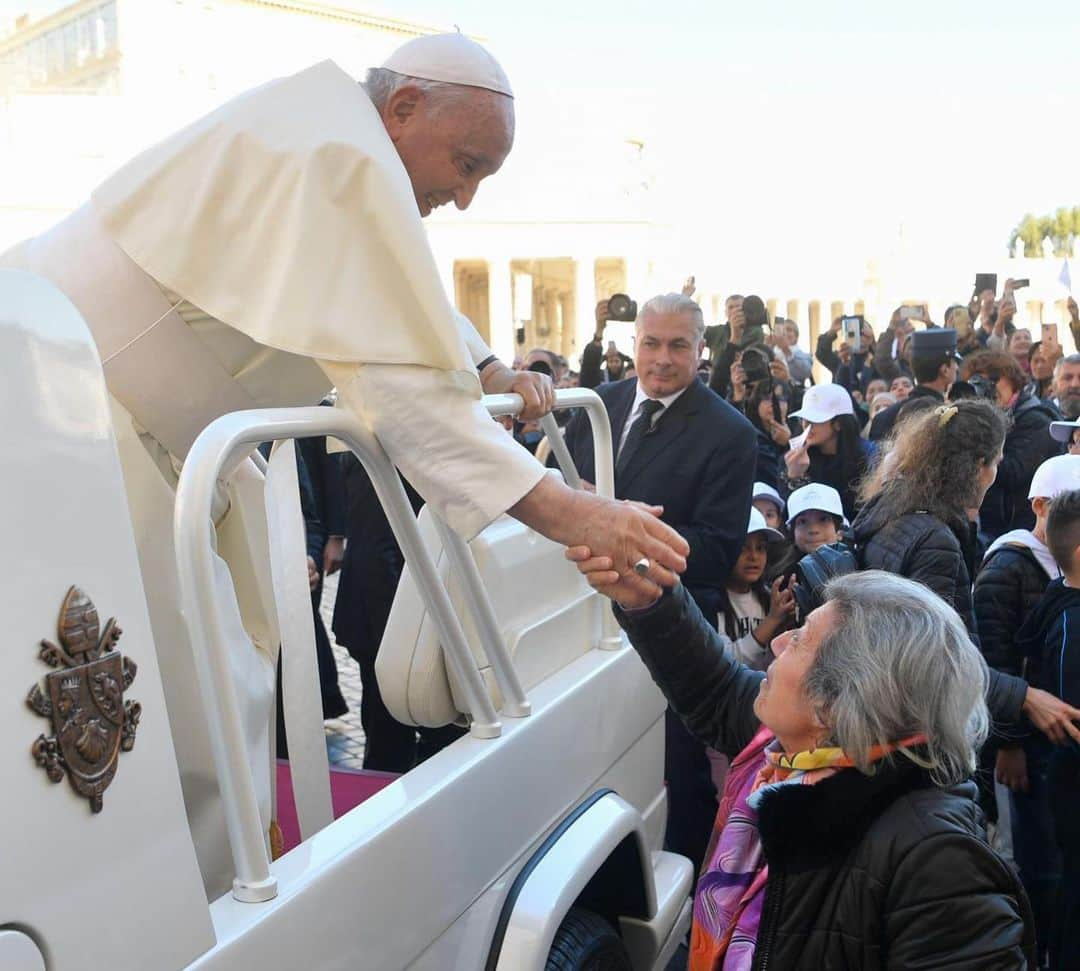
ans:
(517, 304)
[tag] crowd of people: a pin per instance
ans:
(908, 531)
(875, 603)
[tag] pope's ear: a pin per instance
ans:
(402, 106)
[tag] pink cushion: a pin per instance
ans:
(348, 788)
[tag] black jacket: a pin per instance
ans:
(1027, 446)
(1051, 638)
(372, 566)
(921, 547)
(1009, 585)
(698, 462)
(885, 871)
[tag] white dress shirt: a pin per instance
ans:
(639, 397)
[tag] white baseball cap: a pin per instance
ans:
(1062, 431)
(1055, 476)
(758, 525)
(763, 491)
(817, 495)
(824, 402)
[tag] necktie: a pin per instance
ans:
(641, 427)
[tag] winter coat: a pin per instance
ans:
(921, 547)
(882, 871)
(1050, 637)
(1011, 581)
(1027, 446)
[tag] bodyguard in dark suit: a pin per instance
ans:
(369, 581)
(680, 446)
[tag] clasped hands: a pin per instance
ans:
(632, 531)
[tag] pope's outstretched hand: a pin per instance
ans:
(623, 533)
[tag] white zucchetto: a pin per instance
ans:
(451, 58)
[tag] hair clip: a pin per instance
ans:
(945, 414)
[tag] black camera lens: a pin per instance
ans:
(621, 307)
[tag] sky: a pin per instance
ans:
(774, 127)
(777, 127)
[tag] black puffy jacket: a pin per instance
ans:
(1009, 585)
(921, 547)
(1027, 446)
(882, 871)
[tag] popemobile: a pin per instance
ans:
(532, 842)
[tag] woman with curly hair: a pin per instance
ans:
(920, 501)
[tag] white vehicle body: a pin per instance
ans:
(471, 860)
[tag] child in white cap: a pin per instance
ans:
(767, 501)
(752, 612)
(815, 516)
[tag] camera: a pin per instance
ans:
(621, 307)
(977, 386)
(755, 366)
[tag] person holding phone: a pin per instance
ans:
(891, 351)
(851, 367)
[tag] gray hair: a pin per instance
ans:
(674, 303)
(382, 84)
(898, 663)
(1060, 363)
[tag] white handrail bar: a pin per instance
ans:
(515, 704)
(560, 451)
(511, 404)
(604, 458)
(216, 445)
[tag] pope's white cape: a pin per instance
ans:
(288, 215)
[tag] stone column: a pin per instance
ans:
(584, 303)
(501, 311)
(566, 328)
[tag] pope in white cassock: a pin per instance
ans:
(259, 256)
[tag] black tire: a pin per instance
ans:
(587, 942)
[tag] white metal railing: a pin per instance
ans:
(603, 457)
(216, 451)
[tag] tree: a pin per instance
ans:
(1062, 229)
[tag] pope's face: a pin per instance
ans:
(449, 146)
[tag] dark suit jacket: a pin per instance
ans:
(372, 566)
(698, 462)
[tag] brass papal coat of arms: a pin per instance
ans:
(85, 700)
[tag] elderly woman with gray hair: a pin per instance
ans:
(848, 834)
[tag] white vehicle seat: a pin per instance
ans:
(547, 613)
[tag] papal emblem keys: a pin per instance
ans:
(85, 700)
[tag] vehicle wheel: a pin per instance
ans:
(586, 942)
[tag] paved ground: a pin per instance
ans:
(344, 736)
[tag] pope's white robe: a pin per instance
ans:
(253, 259)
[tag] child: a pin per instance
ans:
(1014, 575)
(1051, 639)
(766, 500)
(815, 518)
(751, 612)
